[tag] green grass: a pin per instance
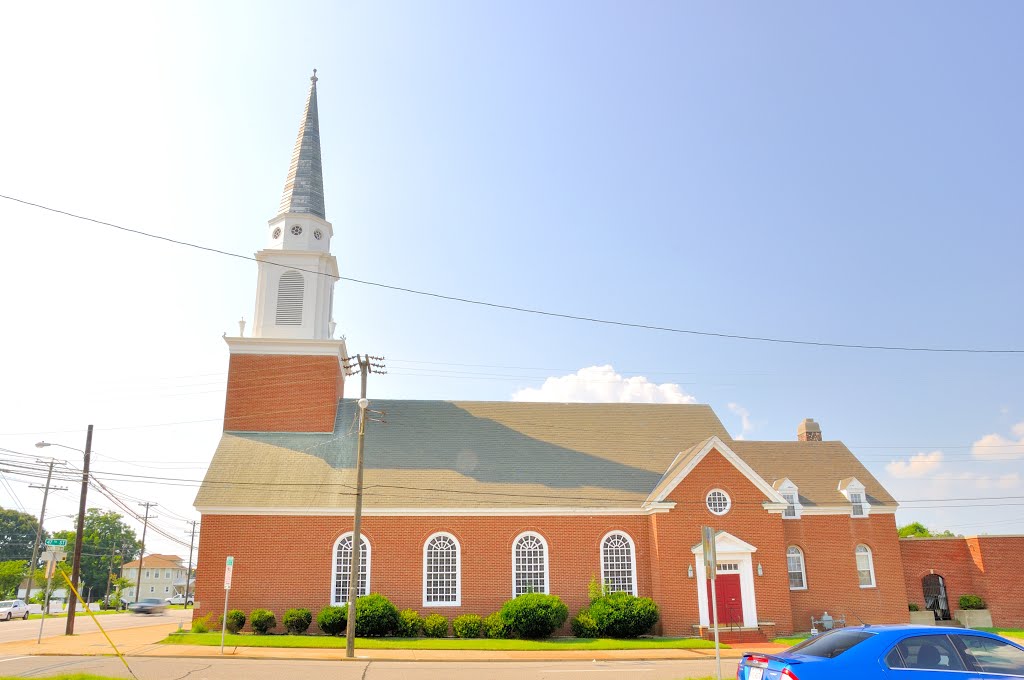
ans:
(325, 642)
(790, 641)
(1006, 632)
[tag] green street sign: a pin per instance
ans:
(57, 541)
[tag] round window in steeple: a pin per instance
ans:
(318, 234)
(277, 233)
(296, 230)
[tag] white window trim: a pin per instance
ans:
(458, 571)
(788, 487)
(632, 555)
(728, 502)
(871, 565)
(803, 566)
(856, 487)
(547, 561)
(334, 565)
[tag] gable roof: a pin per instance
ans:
(816, 469)
(443, 454)
(155, 561)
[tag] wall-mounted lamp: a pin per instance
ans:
(760, 571)
(689, 571)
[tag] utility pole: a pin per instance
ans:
(367, 365)
(76, 566)
(110, 575)
(188, 569)
(39, 530)
(142, 555)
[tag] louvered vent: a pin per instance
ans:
(289, 299)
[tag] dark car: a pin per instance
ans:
(150, 605)
(891, 653)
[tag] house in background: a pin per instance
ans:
(163, 576)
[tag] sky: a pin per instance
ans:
(834, 172)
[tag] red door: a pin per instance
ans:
(730, 601)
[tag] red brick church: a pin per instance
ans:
(469, 503)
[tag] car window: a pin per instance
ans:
(893, 659)
(992, 656)
(832, 644)
(930, 652)
(6, 603)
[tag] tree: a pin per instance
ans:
(11, 572)
(104, 533)
(17, 535)
(918, 530)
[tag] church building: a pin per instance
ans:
(468, 504)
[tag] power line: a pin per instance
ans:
(528, 310)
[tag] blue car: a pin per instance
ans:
(891, 653)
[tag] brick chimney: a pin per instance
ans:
(809, 431)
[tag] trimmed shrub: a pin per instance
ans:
(467, 626)
(410, 624)
(971, 602)
(332, 620)
(262, 620)
(297, 621)
(375, 616)
(621, 615)
(235, 620)
(201, 624)
(913, 607)
(495, 628)
(435, 626)
(584, 626)
(534, 615)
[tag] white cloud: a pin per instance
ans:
(603, 384)
(917, 465)
(996, 446)
(745, 421)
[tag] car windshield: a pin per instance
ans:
(7, 603)
(830, 645)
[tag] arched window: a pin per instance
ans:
(618, 563)
(865, 567)
(441, 571)
(289, 299)
(529, 564)
(795, 567)
(343, 568)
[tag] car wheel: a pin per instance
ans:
(8, 616)
(25, 617)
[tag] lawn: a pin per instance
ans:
(790, 641)
(1006, 632)
(326, 642)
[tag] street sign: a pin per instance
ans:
(707, 544)
(228, 568)
(55, 556)
(57, 541)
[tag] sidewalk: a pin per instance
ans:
(144, 641)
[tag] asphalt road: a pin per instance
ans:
(12, 631)
(163, 668)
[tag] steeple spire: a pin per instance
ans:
(304, 188)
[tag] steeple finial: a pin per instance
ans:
(304, 187)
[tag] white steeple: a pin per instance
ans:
(295, 288)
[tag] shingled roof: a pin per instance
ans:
(474, 455)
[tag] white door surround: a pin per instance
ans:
(729, 549)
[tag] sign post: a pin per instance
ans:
(707, 541)
(52, 556)
(229, 567)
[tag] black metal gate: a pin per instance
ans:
(934, 587)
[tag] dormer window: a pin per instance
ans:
(788, 491)
(854, 492)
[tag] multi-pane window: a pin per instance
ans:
(343, 568)
(865, 567)
(790, 511)
(718, 501)
(857, 503)
(529, 565)
(618, 567)
(441, 571)
(795, 567)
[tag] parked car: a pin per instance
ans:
(180, 599)
(150, 605)
(898, 652)
(10, 609)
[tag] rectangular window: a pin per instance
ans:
(147, 575)
(167, 573)
(865, 573)
(152, 589)
(857, 501)
(167, 589)
(794, 562)
(790, 510)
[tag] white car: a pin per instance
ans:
(180, 599)
(13, 608)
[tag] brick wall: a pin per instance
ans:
(276, 393)
(987, 566)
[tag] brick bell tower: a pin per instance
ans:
(288, 376)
